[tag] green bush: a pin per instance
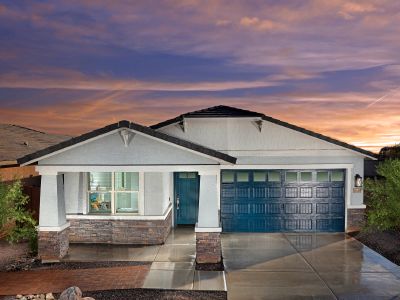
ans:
(383, 197)
(16, 222)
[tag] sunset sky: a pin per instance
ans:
(331, 66)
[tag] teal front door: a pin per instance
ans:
(186, 197)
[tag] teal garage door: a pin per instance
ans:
(283, 200)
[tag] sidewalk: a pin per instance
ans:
(55, 281)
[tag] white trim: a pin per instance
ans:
(44, 169)
(207, 229)
(141, 202)
(53, 228)
(120, 217)
(290, 166)
(359, 206)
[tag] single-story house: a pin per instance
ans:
(222, 169)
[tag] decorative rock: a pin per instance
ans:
(49, 296)
(18, 296)
(71, 293)
(88, 298)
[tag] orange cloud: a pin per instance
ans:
(262, 25)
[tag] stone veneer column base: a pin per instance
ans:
(53, 245)
(208, 247)
(355, 219)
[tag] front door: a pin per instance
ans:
(186, 197)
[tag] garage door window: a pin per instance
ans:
(291, 176)
(323, 176)
(228, 177)
(337, 176)
(274, 176)
(242, 177)
(306, 176)
(259, 176)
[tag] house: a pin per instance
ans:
(222, 169)
(17, 141)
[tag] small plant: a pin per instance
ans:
(383, 196)
(16, 222)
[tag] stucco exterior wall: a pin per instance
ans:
(242, 134)
(110, 150)
(156, 193)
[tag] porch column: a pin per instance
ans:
(208, 228)
(53, 226)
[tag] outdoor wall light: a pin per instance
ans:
(358, 181)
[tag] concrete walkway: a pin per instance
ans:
(318, 266)
(173, 264)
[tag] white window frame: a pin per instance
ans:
(113, 191)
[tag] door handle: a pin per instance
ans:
(177, 203)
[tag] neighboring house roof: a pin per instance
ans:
(223, 111)
(126, 124)
(17, 141)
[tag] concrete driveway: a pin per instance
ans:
(302, 266)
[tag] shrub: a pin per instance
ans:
(383, 197)
(16, 222)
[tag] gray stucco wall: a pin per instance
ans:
(156, 193)
(110, 150)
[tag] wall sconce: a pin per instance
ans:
(358, 181)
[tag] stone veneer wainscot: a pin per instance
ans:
(114, 231)
(355, 219)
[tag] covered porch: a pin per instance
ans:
(128, 205)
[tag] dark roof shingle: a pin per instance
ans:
(17, 141)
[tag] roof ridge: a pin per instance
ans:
(27, 128)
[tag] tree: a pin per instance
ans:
(16, 222)
(392, 152)
(383, 196)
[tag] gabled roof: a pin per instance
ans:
(30, 158)
(17, 141)
(223, 111)
(220, 111)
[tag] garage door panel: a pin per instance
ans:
(260, 192)
(275, 192)
(306, 208)
(270, 204)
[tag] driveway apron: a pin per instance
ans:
(302, 266)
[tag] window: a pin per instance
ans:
(242, 176)
(228, 177)
(322, 176)
(113, 192)
(274, 176)
(259, 176)
(291, 176)
(337, 176)
(305, 176)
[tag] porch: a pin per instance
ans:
(94, 206)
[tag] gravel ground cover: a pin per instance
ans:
(386, 243)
